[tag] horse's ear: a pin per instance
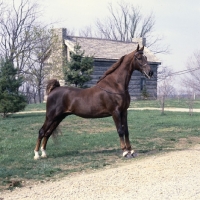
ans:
(142, 49)
(138, 47)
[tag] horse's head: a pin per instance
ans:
(141, 63)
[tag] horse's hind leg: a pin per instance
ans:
(46, 137)
(40, 137)
(44, 134)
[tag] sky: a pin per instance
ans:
(176, 21)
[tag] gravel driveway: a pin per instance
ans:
(173, 176)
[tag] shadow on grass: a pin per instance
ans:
(86, 153)
(104, 152)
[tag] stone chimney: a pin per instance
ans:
(58, 54)
(56, 59)
(141, 41)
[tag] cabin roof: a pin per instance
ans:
(106, 49)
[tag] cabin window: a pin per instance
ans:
(143, 84)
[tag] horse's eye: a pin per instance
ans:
(140, 58)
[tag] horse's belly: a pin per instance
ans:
(90, 112)
(90, 104)
(87, 108)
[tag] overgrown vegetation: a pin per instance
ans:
(87, 144)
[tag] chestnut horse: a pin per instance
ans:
(109, 97)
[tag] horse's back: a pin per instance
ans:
(88, 103)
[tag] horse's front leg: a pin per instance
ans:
(130, 151)
(117, 117)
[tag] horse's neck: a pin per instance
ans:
(121, 77)
(124, 75)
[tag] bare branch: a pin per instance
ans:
(126, 22)
(192, 79)
(147, 26)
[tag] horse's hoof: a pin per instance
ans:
(134, 155)
(132, 152)
(43, 156)
(125, 153)
(36, 157)
(129, 156)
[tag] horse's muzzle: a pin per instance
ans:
(151, 73)
(148, 75)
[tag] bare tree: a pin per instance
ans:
(126, 22)
(16, 25)
(36, 70)
(87, 32)
(25, 42)
(2, 9)
(192, 77)
(190, 99)
(165, 86)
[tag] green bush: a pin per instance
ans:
(10, 98)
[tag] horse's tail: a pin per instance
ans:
(52, 84)
(55, 134)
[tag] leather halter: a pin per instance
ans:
(139, 52)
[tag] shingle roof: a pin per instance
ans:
(106, 49)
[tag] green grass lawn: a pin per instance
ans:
(35, 107)
(87, 144)
(175, 103)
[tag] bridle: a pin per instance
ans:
(135, 57)
(141, 65)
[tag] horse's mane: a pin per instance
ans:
(112, 68)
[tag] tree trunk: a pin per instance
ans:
(162, 104)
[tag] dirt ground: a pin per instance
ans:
(174, 176)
